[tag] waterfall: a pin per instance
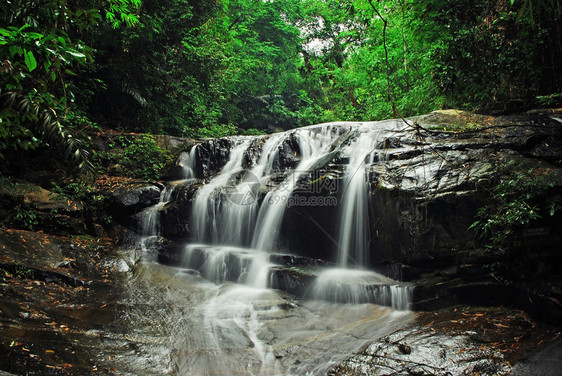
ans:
(314, 144)
(237, 323)
(186, 161)
(353, 230)
(237, 214)
(150, 226)
(343, 284)
(150, 217)
(215, 219)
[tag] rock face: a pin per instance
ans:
(132, 197)
(29, 206)
(135, 196)
(425, 185)
(174, 216)
(455, 343)
(433, 354)
(424, 197)
(212, 155)
(66, 308)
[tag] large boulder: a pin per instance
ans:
(29, 206)
(132, 197)
(175, 216)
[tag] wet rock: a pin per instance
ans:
(253, 154)
(211, 155)
(309, 229)
(292, 280)
(28, 272)
(294, 260)
(175, 216)
(53, 324)
(171, 143)
(400, 272)
(27, 206)
(404, 349)
(546, 362)
(67, 264)
(130, 198)
(169, 252)
(38, 197)
(289, 154)
(422, 351)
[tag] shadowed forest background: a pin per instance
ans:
(215, 68)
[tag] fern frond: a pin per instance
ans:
(135, 94)
(45, 125)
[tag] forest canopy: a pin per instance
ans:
(213, 68)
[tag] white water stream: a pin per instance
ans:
(234, 324)
(314, 144)
(225, 329)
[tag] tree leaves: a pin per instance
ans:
(30, 60)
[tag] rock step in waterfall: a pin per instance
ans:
(238, 212)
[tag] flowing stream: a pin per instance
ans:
(229, 321)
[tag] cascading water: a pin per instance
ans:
(215, 219)
(186, 161)
(343, 284)
(219, 218)
(236, 324)
(150, 223)
(150, 217)
(353, 230)
(314, 144)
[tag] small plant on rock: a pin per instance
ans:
(143, 158)
(521, 198)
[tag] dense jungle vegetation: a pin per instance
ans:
(213, 68)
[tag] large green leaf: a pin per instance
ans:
(34, 35)
(30, 60)
(5, 32)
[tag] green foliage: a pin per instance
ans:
(75, 191)
(208, 69)
(40, 55)
(253, 132)
(29, 110)
(142, 158)
(25, 218)
(121, 11)
(216, 130)
(138, 156)
(521, 198)
(484, 52)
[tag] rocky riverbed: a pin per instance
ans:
(79, 296)
(82, 306)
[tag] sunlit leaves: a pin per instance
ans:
(123, 12)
